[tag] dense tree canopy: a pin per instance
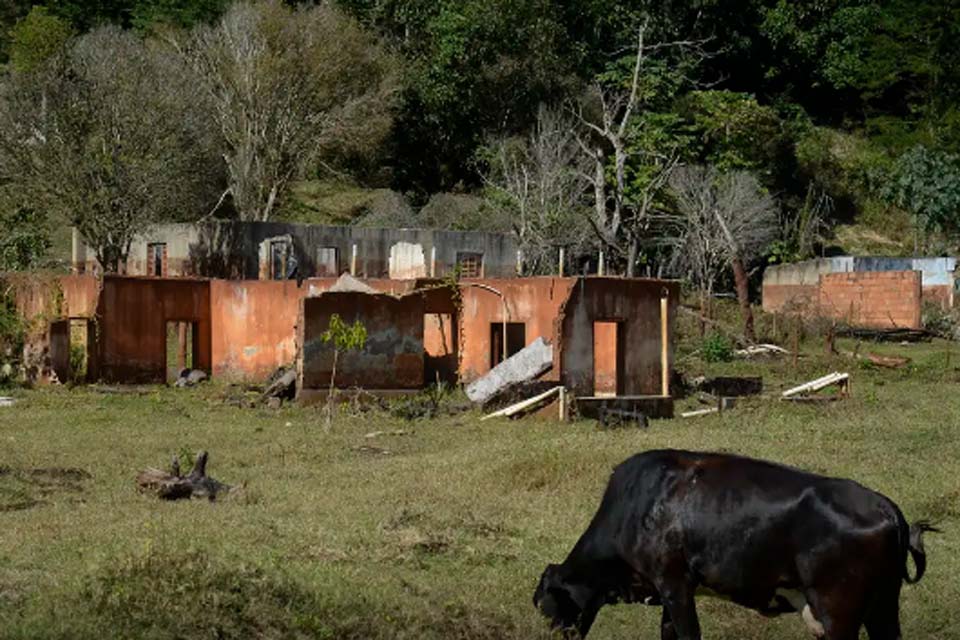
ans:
(845, 111)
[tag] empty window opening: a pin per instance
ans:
(606, 358)
(328, 262)
(516, 339)
(279, 259)
(157, 259)
(181, 348)
(470, 264)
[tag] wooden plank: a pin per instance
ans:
(520, 406)
(820, 383)
(699, 412)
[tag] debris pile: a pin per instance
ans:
(173, 486)
(526, 364)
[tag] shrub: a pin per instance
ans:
(717, 348)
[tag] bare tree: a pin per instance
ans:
(290, 87)
(107, 136)
(623, 220)
(728, 219)
(536, 183)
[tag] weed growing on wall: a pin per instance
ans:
(344, 337)
(12, 332)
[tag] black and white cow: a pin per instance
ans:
(673, 524)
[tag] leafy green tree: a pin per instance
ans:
(181, 13)
(110, 137)
(343, 337)
(25, 241)
(926, 183)
(36, 38)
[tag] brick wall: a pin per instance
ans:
(879, 299)
(790, 298)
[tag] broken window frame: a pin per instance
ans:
(470, 264)
(322, 262)
(156, 254)
(516, 339)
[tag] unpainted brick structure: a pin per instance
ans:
(794, 288)
(881, 299)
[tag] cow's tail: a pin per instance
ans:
(915, 547)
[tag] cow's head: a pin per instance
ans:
(570, 607)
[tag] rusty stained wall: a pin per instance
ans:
(253, 324)
(132, 315)
(53, 297)
(536, 302)
(393, 357)
(635, 306)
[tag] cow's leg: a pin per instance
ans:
(667, 631)
(838, 611)
(679, 605)
(883, 619)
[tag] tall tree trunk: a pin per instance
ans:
(632, 259)
(703, 313)
(743, 296)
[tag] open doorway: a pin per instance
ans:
(440, 344)
(516, 339)
(607, 358)
(181, 348)
(79, 348)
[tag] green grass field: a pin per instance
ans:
(438, 533)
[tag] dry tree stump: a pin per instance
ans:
(173, 486)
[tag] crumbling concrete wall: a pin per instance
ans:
(880, 299)
(231, 250)
(535, 302)
(393, 358)
(132, 316)
(253, 325)
(634, 305)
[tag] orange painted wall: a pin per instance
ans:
(132, 315)
(393, 356)
(253, 324)
(533, 301)
(36, 294)
(605, 358)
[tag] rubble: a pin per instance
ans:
(190, 378)
(527, 364)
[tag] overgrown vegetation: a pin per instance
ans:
(430, 530)
(717, 347)
(561, 122)
(12, 331)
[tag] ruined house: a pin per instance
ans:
(611, 337)
(874, 292)
(281, 250)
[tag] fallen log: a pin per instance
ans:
(173, 486)
(889, 362)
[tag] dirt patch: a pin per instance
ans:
(25, 488)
